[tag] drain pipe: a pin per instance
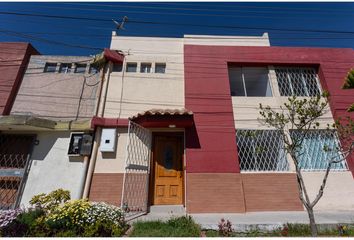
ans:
(99, 113)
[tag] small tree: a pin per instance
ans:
(302, 115)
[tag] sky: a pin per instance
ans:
(83, 28)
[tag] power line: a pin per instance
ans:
(27, 36)
(175, 24)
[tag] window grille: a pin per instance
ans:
(261, 150)
(318, 147)
(297, 81)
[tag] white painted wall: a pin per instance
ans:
(338, 193)
(113, 162)
(51, 167)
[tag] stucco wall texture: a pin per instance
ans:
(14, 58)
(58, 96)
(51, 168)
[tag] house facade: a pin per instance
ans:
(174, 121)
(51, 112)
(178, 117)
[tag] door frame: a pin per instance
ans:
(152, 163)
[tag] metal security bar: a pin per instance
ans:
(261, 150)
(137, 169)
(294, 81)
(14, 161)
(318, 147)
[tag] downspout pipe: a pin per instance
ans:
(99, 113)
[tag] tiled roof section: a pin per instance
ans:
(160, 112)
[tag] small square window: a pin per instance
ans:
(93, 70)
(131, 67)
(80, 68)
(117, 67)
(65, 68)
(50, 67)
(145, 68)
(160, 67)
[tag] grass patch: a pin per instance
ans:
(293, 230)
(175, 227)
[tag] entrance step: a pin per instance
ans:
(162, 212)
(167, 209)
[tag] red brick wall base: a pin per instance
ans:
(214, 193)
(239, 193)
(106, 187)
(271, 192)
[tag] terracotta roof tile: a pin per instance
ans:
(156, 112)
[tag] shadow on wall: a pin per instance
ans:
(192, 139)
(51, 142)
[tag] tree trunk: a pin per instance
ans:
(312, 222)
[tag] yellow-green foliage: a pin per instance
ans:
(72, 213)
(349, 80)
(50, 201)
(351, 108)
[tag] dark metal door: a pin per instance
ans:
(15, 151)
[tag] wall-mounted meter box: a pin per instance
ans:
(80, 144)
(108, 140)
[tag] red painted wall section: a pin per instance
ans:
(211, 146)
(14, 58)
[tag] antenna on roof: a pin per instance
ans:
(120, 26)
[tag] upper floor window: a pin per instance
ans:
(117, 67)
(294, 81)
(80, 68)
(93, 69)
(160, 67)
(65, 68)
(50, 67)
(249, 81)
(317, 148)
(261, 150)
(145, 68)
(131, 67)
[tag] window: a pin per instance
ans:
(50, 67)
(294, 81)
(65, 68)
(80, 68)
(131, 67)
(317, 148)
(145, 68)
(249, 81)
(160, 67)
(93, 70)
(261, 150)
(117, 67)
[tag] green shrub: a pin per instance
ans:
(51, 200)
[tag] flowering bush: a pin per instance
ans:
(71, 214)
(54, 215)
(100, 211)
(7, 216)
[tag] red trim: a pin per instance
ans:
(211, 145)
(183, 121)
(109, 122)
(113, 56)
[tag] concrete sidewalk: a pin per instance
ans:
(271, 220)
(251, 220)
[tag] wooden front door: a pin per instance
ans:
(168, 170)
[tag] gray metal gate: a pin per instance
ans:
(15, 153)
(137, 168)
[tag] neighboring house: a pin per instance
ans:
(42, 136)
(179, 120)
